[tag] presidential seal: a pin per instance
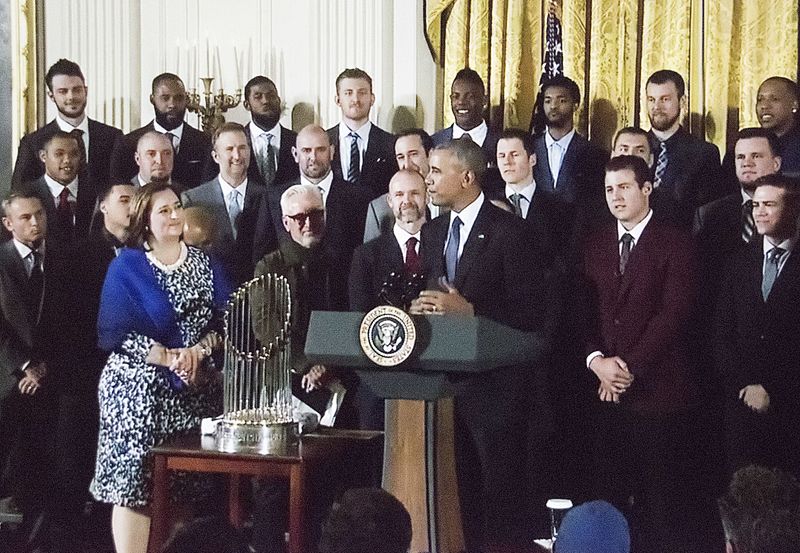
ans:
(387, 335)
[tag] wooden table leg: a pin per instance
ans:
(297, 535)
(159, 523)
(235, 511)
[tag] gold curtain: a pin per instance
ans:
(26, 55)
(723, 49)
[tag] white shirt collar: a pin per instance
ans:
(345, 144)
(24, 250)
(56, 188)
(787, 245)
(256, 131)
(362, 132)
(527, 192)
(402, 236)
(325, 184)
(227, 189)
(563, 141)
(67, 127)
(478, 134)
(745, 196)
(177, 131)
(636, 231)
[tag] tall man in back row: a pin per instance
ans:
(478, 262)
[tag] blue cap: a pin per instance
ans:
(594, 526)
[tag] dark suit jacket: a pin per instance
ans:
(190, 161)
(756, 341)
(582, 172)
(718, 232)
(642, 316)
(57, 233)
(378, 164)
(693, 178)
(101, 140)
(235, 254)
(372, 263)
(492, 182)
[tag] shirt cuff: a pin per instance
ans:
(591, 357)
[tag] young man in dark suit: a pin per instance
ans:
(687, 172)
(363, 152)
(639, 290)
(233, 200)
(270, 142)
(67, 88)
(192, 147)
(477, 261)
(567, 164)
(756, 344)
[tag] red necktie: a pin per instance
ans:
(64, 209)
(413, 261)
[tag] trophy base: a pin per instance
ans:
(262, 438)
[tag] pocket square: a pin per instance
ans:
(193, 161)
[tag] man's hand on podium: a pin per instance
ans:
(434, 302)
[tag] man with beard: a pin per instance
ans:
(468, 101)
(67, 89)
(191, 146)
(687, 172)
(233, 200)
(397, 252)
(155, 158)
(567, 164)
(270, 142)
(364, 154)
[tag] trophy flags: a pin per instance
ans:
(552, 61)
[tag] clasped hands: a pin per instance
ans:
(447, 302)
(186, 362)
(614, 376)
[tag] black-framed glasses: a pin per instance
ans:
(314, 215)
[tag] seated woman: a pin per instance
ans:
(159, 316)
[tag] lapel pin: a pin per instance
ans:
(481, 236)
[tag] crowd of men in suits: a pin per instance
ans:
(663, 282)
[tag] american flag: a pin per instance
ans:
(552, 60)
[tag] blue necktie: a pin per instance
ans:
(771, 270)
(451, 252)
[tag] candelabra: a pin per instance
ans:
(213, 106)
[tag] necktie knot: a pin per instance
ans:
(748, 223)
(467, 136)
(172, 140)
(516, 201)
(625, 252)
(627, 238)
(775, 254)
(411, 243)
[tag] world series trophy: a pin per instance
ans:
(257, 413)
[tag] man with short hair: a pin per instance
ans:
(567, 164)
(687, 171)
(270, 142)
(66, 88)
(777, 103)
(363, 153)
(633, 141)
(233, 200)
(411, 149)
(639, 291)
(192, 147)
(155, 158)
(757, 317)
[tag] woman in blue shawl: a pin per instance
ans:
(159, 319)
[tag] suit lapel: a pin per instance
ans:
(216, 198)
(478, 237)
(569, 161)
(543, 174)
(787, 279)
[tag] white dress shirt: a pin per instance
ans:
(345, 141)
(556, 150)
(82, 126)
(478, 134)
(787, 245)
(25, 254)
(275, 143)
(227, 189)
(467, 216)
(56, 188)
(177, 132)
(324, 185)
(527, 196)
(402, 236)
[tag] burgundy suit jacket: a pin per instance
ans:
(643, 315)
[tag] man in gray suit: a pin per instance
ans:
(232, 201)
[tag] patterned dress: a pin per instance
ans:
(139, 406)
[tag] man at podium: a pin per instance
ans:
(478, 263)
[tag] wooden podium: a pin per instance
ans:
(419, 461)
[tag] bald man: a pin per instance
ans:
(155, 158)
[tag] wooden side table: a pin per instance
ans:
(195, 453)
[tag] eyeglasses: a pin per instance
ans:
(315, 216)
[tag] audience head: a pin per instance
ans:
(757, 152)
(560, 98)
(759, 512)
(665, 90)
(262, 100)
(456, 171)
(66, 87)
(633, 141)
(155, 157)
(156, 216)
(776, 206)
(366, 520)
(206, 535)
(313, 153)
(354, 96)
(593, 527)
(411, 150)
(777, 104)
(303, 214)
(61, 156)
(516, 157)
(231, 152)
(169, 100)
(114, 206)
(408, 197)
(199, 227)
(24, 216)
(628, 187)
(468, 99)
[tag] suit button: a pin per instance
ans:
(762, 337)
(616, 322)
